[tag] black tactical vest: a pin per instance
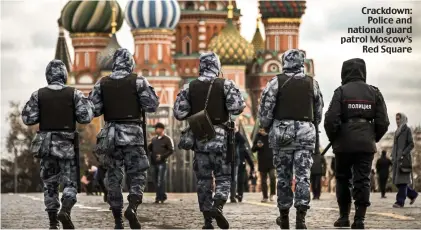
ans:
(294, 101)
(57, 109)
(216, 109)
(358, 101)
(120, 98)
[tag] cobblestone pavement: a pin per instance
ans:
(181, 211)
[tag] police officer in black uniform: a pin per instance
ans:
(355, 121)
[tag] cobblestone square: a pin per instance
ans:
(181, 211)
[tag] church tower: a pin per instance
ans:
(153, 26)
(89, 25)
(200, 21)
(281, 20)
(234, 52)
(92, 26)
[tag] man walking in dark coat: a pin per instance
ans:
(355, 121)
(265, 163)
(161, 147)
(318, 170)
(243, 155)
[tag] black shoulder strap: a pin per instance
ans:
(209, 91)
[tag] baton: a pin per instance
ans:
(327, 148)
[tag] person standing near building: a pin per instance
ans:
(225, 99)
(355, 121)
(160, 148)
(403, 144)
(318, 171)
(121, 97)
(382, 167)
(243, 155)
(265, 163)
(290, 103)
(57, 108)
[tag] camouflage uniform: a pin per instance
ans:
(121, 146)
(297, 154)
(210, 156)
(56, 148)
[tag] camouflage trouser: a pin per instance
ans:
(204, 164)
(134, 160)
(53, 171)
(285, 162)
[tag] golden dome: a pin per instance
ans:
(258, 42)
(231, 47)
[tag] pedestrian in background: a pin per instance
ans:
(243, 156)
(318, 170)
(265, 164)
(160, 148)
(403, 143)
(290, 104)
(383, 165)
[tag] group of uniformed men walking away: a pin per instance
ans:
(290, 109)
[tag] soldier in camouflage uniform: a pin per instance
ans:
(290, 116)
(121, 97)
(56, 108)
(210, 157)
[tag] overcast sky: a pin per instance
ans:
(29, 35)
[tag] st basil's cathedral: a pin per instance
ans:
(169, 36)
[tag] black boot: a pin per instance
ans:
(283, 219)
(217, 214)
(105, 197)
(64, 214)
(343, 221)
(53, 220)
(208, 220)
(300, 222)
(359, 217)
(131, 212)
(118, 218)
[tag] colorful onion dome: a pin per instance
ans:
(152, 14)
(282, 9)
(90, 16)
(231, 47)
(105, 58)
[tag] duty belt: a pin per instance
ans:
(358, 120)
(128, 122)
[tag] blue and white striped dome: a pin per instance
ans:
(149, 14)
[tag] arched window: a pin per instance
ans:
(277, 43)
(146, 53)
(267, 44)
(187, 43)
(162, 72)
(86, 59)
(212, 5)
(159, 52)
(145, 72)
(190, 5)
(289, 41)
